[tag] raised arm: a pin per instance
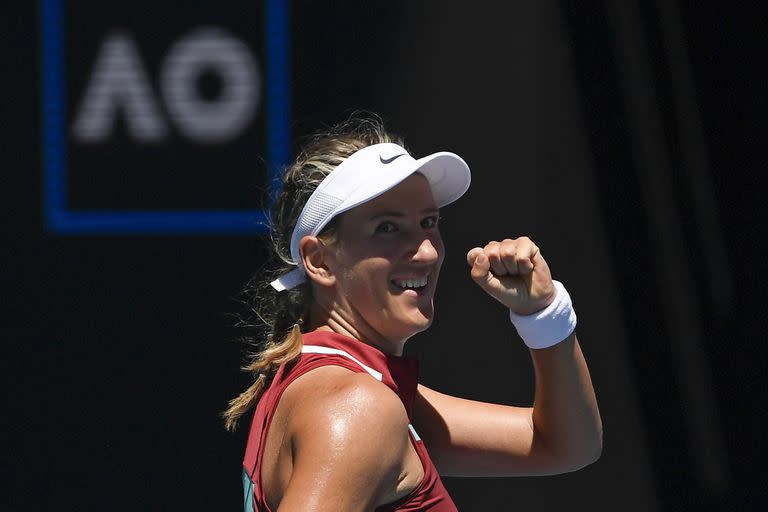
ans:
(561, 432)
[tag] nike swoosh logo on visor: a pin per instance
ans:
(390, 160)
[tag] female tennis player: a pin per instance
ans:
(341, 422)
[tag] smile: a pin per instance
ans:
(414, 283)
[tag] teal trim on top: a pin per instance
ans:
(248, 492)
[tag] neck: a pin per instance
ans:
(329, 319)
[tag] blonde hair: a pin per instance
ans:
(273, 320)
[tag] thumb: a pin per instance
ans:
(472, 254)
(481, 266)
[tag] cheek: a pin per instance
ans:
(368, 275)
(371, 256)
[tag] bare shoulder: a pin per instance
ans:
(349, 439)
(333, 395)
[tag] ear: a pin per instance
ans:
(315, 255)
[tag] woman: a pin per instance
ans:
(341, 422)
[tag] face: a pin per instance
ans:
(386, 262)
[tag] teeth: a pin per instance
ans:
(412, 283)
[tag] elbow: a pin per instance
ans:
(573, 449)
(579, 455)
(594, 452)
(589, 453)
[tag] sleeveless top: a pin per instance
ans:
(400, 374)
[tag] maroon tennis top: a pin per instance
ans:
(400, 374)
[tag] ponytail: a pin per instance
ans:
(263, 367)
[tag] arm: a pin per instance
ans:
(350, 446)
(562, 432)
(566, 419)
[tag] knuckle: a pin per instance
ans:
(507, 251)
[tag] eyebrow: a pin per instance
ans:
(426, 211)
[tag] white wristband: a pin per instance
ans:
(549, 326)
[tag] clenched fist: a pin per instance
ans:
(514, 273)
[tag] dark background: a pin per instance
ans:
(180, 174)
(626, 138)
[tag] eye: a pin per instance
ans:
(386, 227)
(430, 222)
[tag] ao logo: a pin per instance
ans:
(119, 84)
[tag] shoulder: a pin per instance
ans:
(335, 396)
(349, 440)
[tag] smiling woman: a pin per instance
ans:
(358, 253)
(384, 296)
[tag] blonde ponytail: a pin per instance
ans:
(264, 367)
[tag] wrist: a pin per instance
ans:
(549, 326)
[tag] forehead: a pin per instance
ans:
(412, 194)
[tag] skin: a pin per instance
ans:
(319, 454)
(394, 236)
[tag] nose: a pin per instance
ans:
(427, 252)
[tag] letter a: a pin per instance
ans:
(118, 82)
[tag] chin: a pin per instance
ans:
(422, 324)
(409, 327)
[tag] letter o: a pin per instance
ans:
(210, 49)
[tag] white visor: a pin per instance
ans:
(366, 174)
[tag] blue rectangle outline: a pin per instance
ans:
(60, 220)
